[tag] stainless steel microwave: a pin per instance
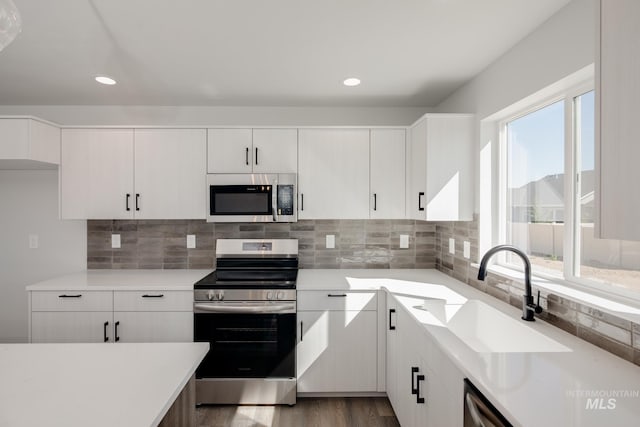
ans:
(252, 198)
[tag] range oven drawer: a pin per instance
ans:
(247, 345)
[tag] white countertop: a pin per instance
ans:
(93, 384)
(106, 280)
(530, 389)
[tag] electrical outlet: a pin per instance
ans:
(115, 241)
(404, 241)
(191, 241)
(467, 250)
(330, 241)
(33, 241)
(452, 246)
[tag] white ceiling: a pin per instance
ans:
(258, 52)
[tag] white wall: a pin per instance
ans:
(29, 205)
(90, 115)
(562, 45)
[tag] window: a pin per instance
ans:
(548, 197)
(535, 186)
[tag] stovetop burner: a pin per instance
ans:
(259, 281)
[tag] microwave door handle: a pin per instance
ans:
(274, 202)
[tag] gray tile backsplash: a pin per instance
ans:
(358, 243)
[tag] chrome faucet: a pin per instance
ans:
(528, 307)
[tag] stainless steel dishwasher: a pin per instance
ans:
(478, 411)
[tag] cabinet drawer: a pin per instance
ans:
(153, 301)
(337, 300)
(71, 300)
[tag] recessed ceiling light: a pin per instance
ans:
(351, 81)
(105, 80)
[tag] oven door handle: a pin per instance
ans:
(244, 308)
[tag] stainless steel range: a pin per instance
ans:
(246, 310)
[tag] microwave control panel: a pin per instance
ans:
(285, 199)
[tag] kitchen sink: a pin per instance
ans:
(488, 330)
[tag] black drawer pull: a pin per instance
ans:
(420, 196)
(137, 202)
(336, 295)
(69, 296)
(127, 202)
(391, 327)
(246, 156)
(106, 338)
(418, 398)
(152, 296)
(116, 331)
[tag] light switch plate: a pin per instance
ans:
(191, 241)
(404, 241)
(452, 246)
(330, 241)
(33, 241)
(467, 250)
(115, 241)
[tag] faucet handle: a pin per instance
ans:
(538, 309)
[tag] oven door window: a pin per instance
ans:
(240, 200)
(247, 345)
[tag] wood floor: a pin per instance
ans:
(308, 412)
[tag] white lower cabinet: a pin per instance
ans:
(153, 326)
(71, 326)
(337, 346)
(111, 316)
(424, 386)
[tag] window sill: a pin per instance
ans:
(618, 306)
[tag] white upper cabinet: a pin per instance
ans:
(170, 174)
(28, 144)
(100, 166)
(387, 149)
(275, 150)
(229, 151)
(96, 174)
(617, 111)
(333, 182)
(440, 175)
(252, 151)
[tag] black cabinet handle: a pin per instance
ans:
(127, 202)
(69, 296)
(246, 156)
(336, 295)
(391, 327)
(152, 296)
(420, 195)
(116, 331)
(418, 398)
(106, 338)
(375, 202)
(256, 155)
(301, 201)
(414, 387)
(301, 330)
(137, 202)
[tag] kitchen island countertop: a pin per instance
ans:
(98, 385)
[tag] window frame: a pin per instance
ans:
(571, 234)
